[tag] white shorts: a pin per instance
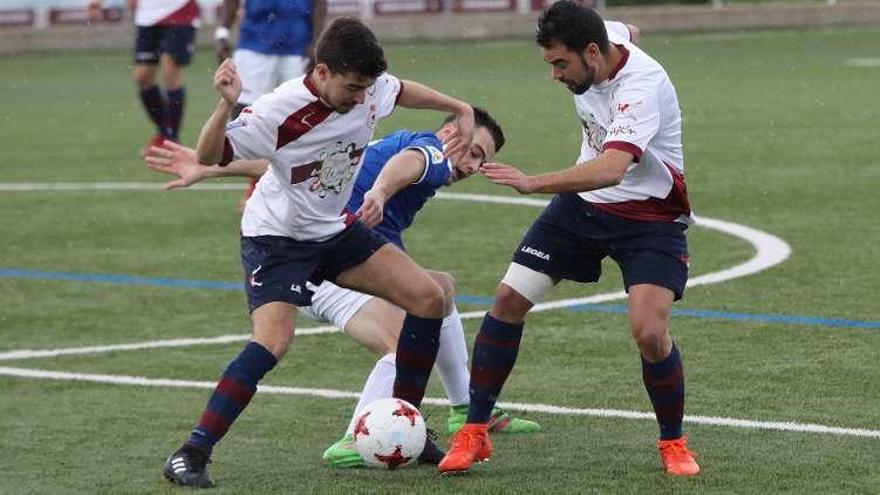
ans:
(261, 73)
(335, 304)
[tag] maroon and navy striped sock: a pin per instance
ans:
(416, 352)
(664, 382)
(155, 105)
(495, 350)
(176, 103)
(232, 394)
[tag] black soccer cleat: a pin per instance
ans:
(432, 453)
(188, 467)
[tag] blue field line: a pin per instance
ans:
(724, 315)
(460, 299)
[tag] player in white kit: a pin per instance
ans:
(625, 198)
(295, 231)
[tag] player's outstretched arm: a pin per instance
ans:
(417, 95)
(605, 170)
(174, 159)
(221, 34)
(227, 83)
(399, 172)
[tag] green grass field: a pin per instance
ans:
(780, 136)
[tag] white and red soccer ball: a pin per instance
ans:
(389, 434)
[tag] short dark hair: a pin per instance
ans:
(573, 25)
(348, 45)
(483, 119)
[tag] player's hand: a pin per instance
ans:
(172, 158)
(508, 175)
(458, 142)
(227, 83)
(370, 212)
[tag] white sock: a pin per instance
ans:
(452, 360)
(379, 385)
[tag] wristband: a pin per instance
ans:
(221, 33)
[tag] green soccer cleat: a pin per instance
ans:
(343, 454)
(499, 422)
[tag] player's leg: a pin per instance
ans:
(654, 280)
(426, 302)
(273, 312)
(177, 45)
(547, 253)
(146, 61)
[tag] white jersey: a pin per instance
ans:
(636, 110)
(314, 156)
(166, 13)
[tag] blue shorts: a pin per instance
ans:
(571, 237)
(278, 268)
(152, 41)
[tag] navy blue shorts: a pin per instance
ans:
(571, 237)
(152, 41)
(277, 268)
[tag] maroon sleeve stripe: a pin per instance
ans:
(630, 148)
(228, 153)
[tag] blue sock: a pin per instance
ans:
(664, 382)
(416, 353)
(232, 394)
(495, 351)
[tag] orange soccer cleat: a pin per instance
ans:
(677, 459)
(471, 444)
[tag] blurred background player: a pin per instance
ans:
(401, 172)
(275, 42)
(165, 40)
(313, 131)
(625, 198)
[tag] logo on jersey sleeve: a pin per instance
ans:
(435, 154)
(332, 172)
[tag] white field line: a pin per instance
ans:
(769, 251)
(156, 344)
(862, 62)
(512, 406)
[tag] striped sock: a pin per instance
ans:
(232, 394)
(664, 382)
(416, 352)
(495, 351)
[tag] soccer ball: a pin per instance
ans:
(389, 434)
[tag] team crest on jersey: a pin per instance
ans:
(333, 171)
(595, 133)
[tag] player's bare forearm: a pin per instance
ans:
(230, 12)
(319, 18)
(417, 95)
(401, 170)
(241, 168)
(605, 170)
(209, 149)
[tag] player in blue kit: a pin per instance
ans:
(275, 42)
(401, 172)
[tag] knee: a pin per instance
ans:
(143, 75)
(509, 306)
(447, 284)
(432, 302)
(652, 338)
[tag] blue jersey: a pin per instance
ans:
(276, 27)
(401, 209)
